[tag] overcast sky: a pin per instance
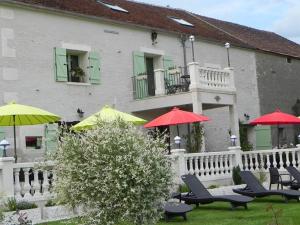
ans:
(279, 16)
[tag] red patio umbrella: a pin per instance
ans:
(276, 118)
(175, 117)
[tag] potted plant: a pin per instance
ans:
(77, 74)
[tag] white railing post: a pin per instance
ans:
(236, 150)
(230, 70)
(179, 163)
(193, 68)
(159, 75)
(7, 176)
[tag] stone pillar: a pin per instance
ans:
(234, 121)
(237, 155)
(179, 163)
(7, 176)
(230, 70)
(159, 82)
(197, 108)
(193, 68)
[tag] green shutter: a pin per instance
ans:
(94, 67)
(263, 137)
(61, 69)
(168, 62)
(51, 136)
(139, 65)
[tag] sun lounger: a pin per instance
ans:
(295, 184)
(200, 195)
(255, 189)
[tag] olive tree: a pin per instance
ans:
(115, 171)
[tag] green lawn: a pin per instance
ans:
(220, 214)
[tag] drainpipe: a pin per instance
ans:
(183, 39)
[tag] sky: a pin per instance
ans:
(279, 16)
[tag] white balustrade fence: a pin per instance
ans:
(264, 159)
(215, 78)
(212, 166)
(26, 180)
(31, 181)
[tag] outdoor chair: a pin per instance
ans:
(199, 195)
(276, 178)
(295, 183)
(255, 189)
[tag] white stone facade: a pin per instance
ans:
(28, 38)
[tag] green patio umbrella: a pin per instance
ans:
(14, 115)
(108, 114)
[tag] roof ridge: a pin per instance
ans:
(234, 23)
(214, 26)
(154, 5)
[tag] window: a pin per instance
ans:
(33, 142)
(77, 66)
(182, 21)
(288, 59)
(114, 7)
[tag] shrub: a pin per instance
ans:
(50, 203)
(183, 188)
(13, 205)
(115, 171)
(213, 186)
(26, 205)
(236, 175)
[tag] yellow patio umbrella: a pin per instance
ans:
(107, 114)
(14, 115)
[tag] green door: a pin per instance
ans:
(263, 137)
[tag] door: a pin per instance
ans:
(150, 76)
(263, 137)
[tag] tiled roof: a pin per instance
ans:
(156, 17)
(259, 39)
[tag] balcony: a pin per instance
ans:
(174, 81)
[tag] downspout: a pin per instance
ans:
(183, 39)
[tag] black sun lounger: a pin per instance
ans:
(255, 189)
(200, 195)
(295, 183)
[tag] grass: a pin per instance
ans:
(220, 214)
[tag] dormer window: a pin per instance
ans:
(113, 7)
(182, 21)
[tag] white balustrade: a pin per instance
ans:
(30, 181)
(215, 78)
(264, 159)
(211, 164)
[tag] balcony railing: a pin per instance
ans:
(175, 80)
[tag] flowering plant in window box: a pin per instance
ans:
(77, 74)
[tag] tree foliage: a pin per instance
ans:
(115, 171)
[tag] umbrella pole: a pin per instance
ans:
(15, 142)
(178, 133)
(278, 136)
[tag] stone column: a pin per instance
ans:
(234, 121)
(159, 82)
(179, 164)
(193, 68)
(237, 155)
(230, 70)
(7, 176)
